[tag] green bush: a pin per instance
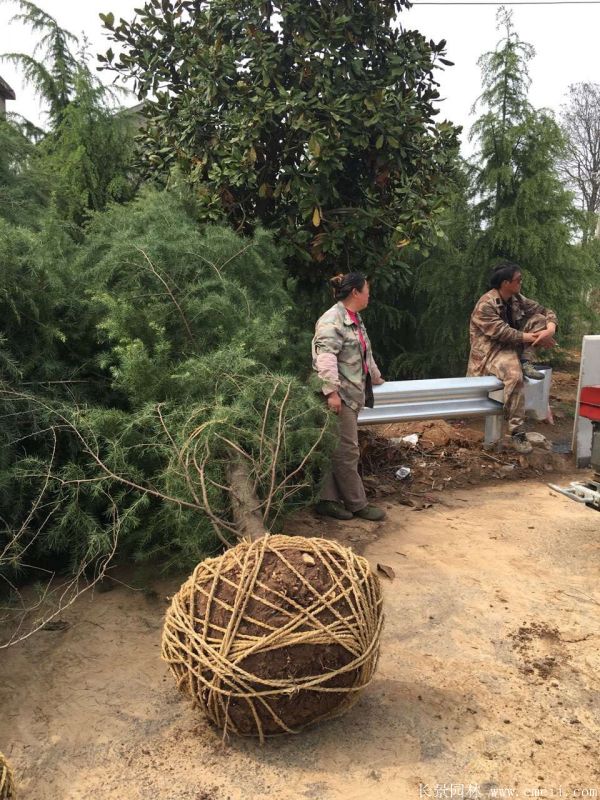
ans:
(191, 342)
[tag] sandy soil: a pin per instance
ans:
(488, 676)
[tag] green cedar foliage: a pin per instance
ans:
(191, 331)
(84, 160)
(31, 340)
(53, 72)
(196, 327)
(24, 185)
(88, 155)
(440, 294)
(47, 326)
(526, 214)
(166, 293)
(28, 298)
(315, 120)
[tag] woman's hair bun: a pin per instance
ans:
(344, 285)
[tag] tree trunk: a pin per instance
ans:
(244, 503)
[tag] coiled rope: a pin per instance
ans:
(232, 608)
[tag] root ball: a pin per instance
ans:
(7, 786)
(275, 634)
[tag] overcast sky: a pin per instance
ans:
(565, 38)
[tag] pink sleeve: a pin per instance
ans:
(327, 370)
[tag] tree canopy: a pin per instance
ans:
(526, 213)
(84, 160)
(316, 120)
(509, 203)
(580, 164)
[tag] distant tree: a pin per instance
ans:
(580, 165)
(499, 129)
(89, 155)
(85, 157)
(315, 120)
(24, 185)
(526, 214)
(53, 73)
(440, 295)
(508, 202)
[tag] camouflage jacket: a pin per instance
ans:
(490, 331)
(338, 358)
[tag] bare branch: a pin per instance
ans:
(170, 293)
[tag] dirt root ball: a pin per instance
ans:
(275, 634)
(7, 786)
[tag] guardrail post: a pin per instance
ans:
(493, 428)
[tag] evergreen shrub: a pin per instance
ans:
(192, 340)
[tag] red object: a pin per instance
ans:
(354, 317)
(589, 403)
(589, 412)
(590, 395)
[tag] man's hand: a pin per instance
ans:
(543, 338)
(334, 401)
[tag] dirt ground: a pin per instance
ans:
(487, 682)
(488, 676)
(451, 454)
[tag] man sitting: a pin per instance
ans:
(504, 330)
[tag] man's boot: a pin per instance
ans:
(529, 371)
(372, 513)
(329, 508)
(520, 443)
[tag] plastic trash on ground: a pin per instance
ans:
(412, 439)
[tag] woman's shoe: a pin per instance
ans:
(329, 508)
(372, 513)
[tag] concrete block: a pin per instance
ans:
(589, 375)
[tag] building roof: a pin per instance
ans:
(5, 91)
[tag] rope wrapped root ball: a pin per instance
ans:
(7, 786)
(275, 634)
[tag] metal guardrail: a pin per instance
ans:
(398, 401)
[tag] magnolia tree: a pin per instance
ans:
(316, 120)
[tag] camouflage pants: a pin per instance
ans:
(506, 365)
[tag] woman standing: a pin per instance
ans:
(344, 362)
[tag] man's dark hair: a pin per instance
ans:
(504, 271)
(343, 285)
